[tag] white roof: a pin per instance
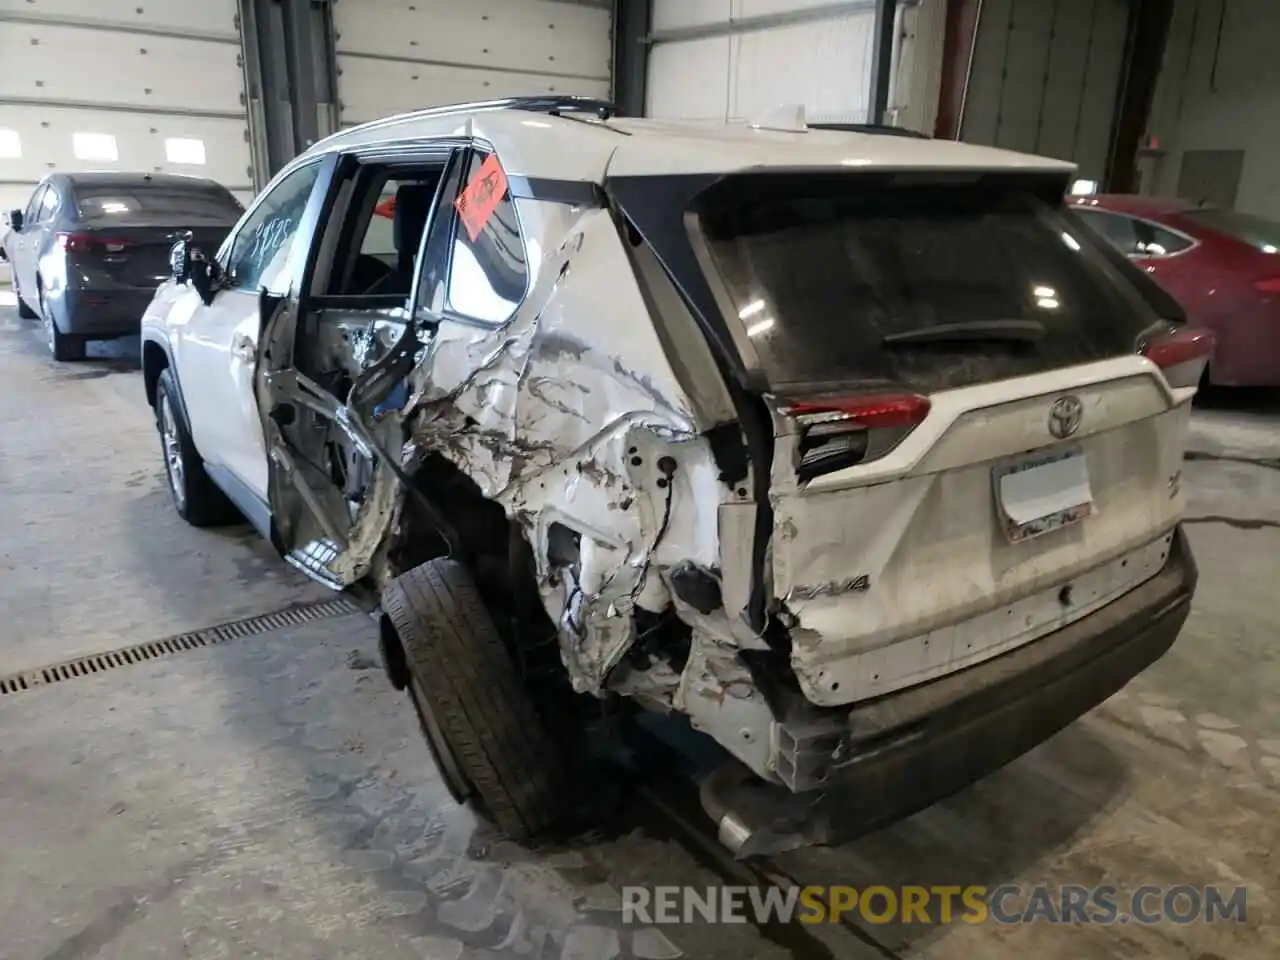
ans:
(539, 145)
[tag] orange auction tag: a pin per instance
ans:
(387, 208)
(480, 198)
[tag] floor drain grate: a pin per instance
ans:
(155, 649)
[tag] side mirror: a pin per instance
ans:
(180, 261)
(16, 220)
(205, 274)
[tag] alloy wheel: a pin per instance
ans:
(173, 464)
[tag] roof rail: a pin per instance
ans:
(555, 105)
(882, 129)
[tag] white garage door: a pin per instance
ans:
(395, 56)
(774, 52)
(151, 85)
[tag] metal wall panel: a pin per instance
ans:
(822, 62)
(736, 59)
(141, 71)
(690, 79)
(913, 102)
(1217, 91)
(1045, 78)
(395, 56)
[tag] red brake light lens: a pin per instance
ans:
(879, 410)
(88, 243)
(841, 432)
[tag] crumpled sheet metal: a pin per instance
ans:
(561, 415)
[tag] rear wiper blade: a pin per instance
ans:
(1018, 331)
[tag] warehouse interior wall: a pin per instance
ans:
(1045, 78)
(394, 56)
(144, 85)
(1216, 105)
(738, 59)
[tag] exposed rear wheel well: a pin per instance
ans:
(495, 551)
(154, 362)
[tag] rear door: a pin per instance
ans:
(969, 449)
(335, 357)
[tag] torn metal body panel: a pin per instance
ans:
(576, 421)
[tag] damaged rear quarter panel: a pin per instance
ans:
(561, 415)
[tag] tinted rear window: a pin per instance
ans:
(162, 205)
(822, 269)
(1255, 231)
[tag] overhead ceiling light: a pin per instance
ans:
(1083, 188)
(751, 309)
(1043, 291)
(760, 326)
(1048, 303)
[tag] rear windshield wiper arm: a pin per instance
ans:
(1018, 331)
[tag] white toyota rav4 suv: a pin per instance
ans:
(855, 449)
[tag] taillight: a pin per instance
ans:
(1271, 285)
(89, 243)
(1181, 355)
(841, 432)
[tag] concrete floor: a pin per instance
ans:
(270, 797)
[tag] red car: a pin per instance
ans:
(1222, 266)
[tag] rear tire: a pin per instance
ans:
(63, 347)
(198, 500)
(488, 741)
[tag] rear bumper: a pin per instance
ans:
(102, 313)
(895, 755)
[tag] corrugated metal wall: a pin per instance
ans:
(140, 76)
(1045, 78)
(914, 100)
(395, 56)
(822, 63)
(1218, 91)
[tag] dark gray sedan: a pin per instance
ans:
(90, 249)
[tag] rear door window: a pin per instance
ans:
(841, 280)
(488, 273)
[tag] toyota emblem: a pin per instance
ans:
(1065, 416)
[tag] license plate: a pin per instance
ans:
(1038, 495)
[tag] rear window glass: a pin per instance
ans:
(828, 274)
(1260, 233)
(160, 205)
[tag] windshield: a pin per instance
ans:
(141, 205)
(1255, 231)
(839, 279)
